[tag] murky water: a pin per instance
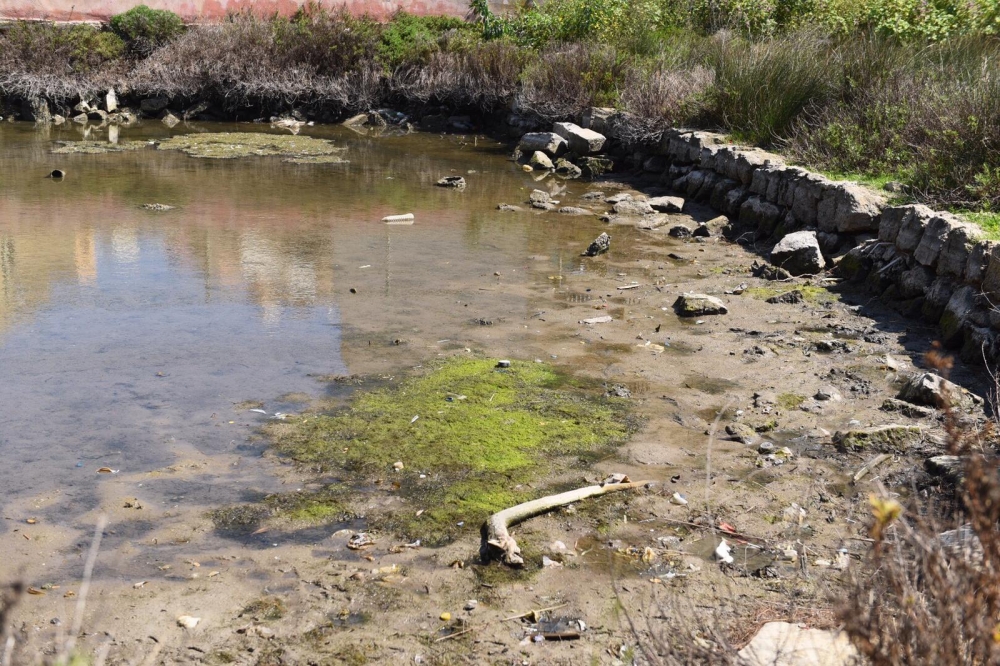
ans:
(127, 336)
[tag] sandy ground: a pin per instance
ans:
(633, 570)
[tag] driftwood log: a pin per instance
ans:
(498, 544)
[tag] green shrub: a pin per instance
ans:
(144, 29)
(410, 39)
(54, 49)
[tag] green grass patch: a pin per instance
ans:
(790, 400)
(988, 222)
(477, 434)
(811, 293)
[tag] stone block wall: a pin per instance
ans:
(922, 263)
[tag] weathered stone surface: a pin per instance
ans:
(666, 204)
(596, 118)
(907, 408)
(741, 432)
(799, 253)
(979, 260)
(539, 196)
(111, 101)
(595, 166)
(849, 208)
(567, 169)
(915, 282)
(37, 109)
(734, 200)
(991, 278)
(886, 438)
(540, 160)
(655, 164)
(911, 229)
(954, 256)
(936, 298)
(956, 313)
(948, 467)
(758, 213)
(573, 210)
(929, 389)
(806, 193)
(581, 141)
(80, 118)
(698, 305)
(890, 222)
(935, 234)
(600, 245)
(789, 297)
(786, 644)
(680, 231)
(633, 207)
(547, 142)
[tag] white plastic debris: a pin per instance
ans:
(722, 553)
(678, 499)
(406, 218)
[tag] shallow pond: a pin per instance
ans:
(130, 338)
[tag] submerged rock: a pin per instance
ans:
(230, 145)
(697, 305)
(455, 182)
(573, 210)
(600, 245)
(799, 253)
(567, 169)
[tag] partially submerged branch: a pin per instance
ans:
(498, 544)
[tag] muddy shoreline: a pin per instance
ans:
(645, 556)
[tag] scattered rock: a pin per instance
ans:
(600, 245)
(509, 208)
(540, 160)
(702, 231)
(799, 253)
(794, 296)
(741, 432)
(887, 438)
(592, 166)
(581, 141)
(188, 621)
(786, 644)
(930, 389)
(547, 142)
(667, 204)
(619, 391)
(592, 196)
(697, 305)
(768, 272)
(456, 182)
(633, 207)
(471, 605)
(907, 409)
(828, 393)
(170, 120)
(573, 210)
(157, 206)
(616, 198)
(680, 231)
(539, 196)
(543, 205)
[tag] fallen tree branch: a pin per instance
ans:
(498, 544)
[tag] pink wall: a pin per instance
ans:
(206, 10)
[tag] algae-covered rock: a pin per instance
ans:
(230, 145)
(887, 438)
(97, 147)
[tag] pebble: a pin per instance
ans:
(471, 605)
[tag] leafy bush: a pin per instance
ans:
(54, 48)
(144, 29)
(409, 39)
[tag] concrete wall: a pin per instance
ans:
(208, 10)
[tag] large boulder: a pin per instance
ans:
(799, 253)
(153, 105)
(633, 207)
(666, 204)
(547, 142)
(581, 141)
(597, 118)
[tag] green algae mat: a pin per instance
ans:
(223, 145)
(460, 440)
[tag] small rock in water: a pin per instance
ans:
(540, 160)
(600, 245)
(157, 206)
(567, 169)
(573, 210)
(509, 208)
(455, 182)
(697, 305)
